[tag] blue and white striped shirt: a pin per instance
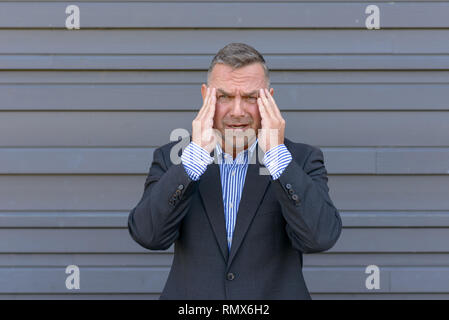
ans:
(232, 173)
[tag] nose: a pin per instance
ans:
(237, 108)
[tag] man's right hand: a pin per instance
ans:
(203, 133)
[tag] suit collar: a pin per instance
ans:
(253, 191)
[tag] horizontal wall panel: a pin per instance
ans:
(147, 258)
(386, 160)
(150, 129)
(64, 219)
(75, 161)
(66, 240)
(102, 219)
(122, 192)
(395, 219)
(179, 42)
(201, 62)
(152, 280)
(364, 239)
(188, 97)
(322, 280)
(432, 279)
(348, 160)
(400, 280)
(391, 160)
(384, 259)
(92, 280)
(358, 192)
(194, 78)
(165, 258)
(223, 15)
(138, 160)
(119, 219)
(73, 192)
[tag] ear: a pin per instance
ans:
(271, 91)
(203, 90)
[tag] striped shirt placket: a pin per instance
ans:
(232, 174)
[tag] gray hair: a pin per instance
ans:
(237, 55)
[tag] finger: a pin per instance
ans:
(262, 108)
(207, 108)
(205, 102)
(208, 120)
(212, 103)
(275, 107)
(200, 113)
(262, 132)
(268, 107)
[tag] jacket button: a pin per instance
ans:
(288, 186)
(295, 197)
(180, 187)
(230, 276)
(178, 192)
(291, 191)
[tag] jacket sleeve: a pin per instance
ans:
(313, 222)
(155, 221)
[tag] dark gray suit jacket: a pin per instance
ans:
(277, 221)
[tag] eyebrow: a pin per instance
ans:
(245, 94)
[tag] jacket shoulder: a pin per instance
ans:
(172, 150)
(166, 148)
(300, 150)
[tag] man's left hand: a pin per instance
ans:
(273, 125)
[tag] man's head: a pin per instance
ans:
(237, 72)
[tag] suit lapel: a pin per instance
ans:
(252, 194)
(212, 195)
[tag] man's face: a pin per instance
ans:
(236, 110)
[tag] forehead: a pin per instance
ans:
(241, 80)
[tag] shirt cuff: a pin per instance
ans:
(195, 160)
(276, 160)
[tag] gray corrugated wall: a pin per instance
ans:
(81, 112)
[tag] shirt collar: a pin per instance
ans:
(241, 158)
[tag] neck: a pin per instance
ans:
(232, 149)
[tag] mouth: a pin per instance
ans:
(237, 126)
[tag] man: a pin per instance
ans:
(238, 233)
